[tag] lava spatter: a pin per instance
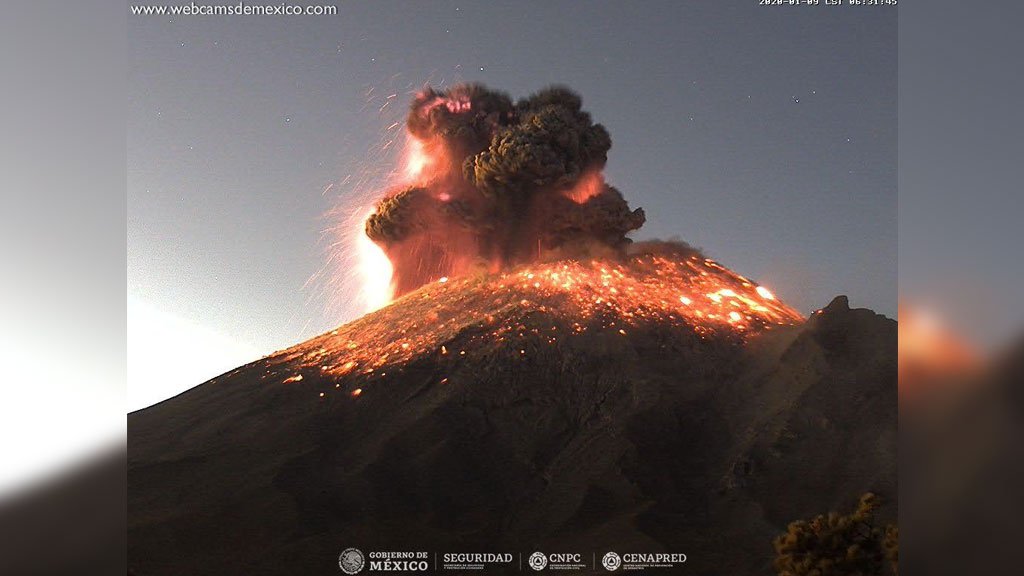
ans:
(687, 292)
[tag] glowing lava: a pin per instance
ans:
(546, 303)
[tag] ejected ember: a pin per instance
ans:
(665, 285)
(492, 184)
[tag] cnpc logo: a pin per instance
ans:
(563, 561)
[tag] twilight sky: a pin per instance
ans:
(765, 135)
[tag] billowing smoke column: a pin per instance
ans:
(496, 183)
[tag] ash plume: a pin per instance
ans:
(495, 183)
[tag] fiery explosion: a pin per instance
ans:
(488, 184)
(501, 211)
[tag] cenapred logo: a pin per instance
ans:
(538, 561)
(351, 561)
(611, 561)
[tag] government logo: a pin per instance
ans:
(351, 561)
(538, 561)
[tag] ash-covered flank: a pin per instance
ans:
(491, 414)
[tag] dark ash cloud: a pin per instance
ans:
(504, 183)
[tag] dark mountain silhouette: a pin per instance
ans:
(482, 415)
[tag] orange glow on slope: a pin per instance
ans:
(556, 301)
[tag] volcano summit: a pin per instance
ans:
(540, 383)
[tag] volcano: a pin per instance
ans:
(657, 403)
(542, 382)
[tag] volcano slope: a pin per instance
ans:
(567, 407)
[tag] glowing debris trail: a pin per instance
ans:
(690, 293)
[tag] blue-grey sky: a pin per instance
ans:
(765, 135)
